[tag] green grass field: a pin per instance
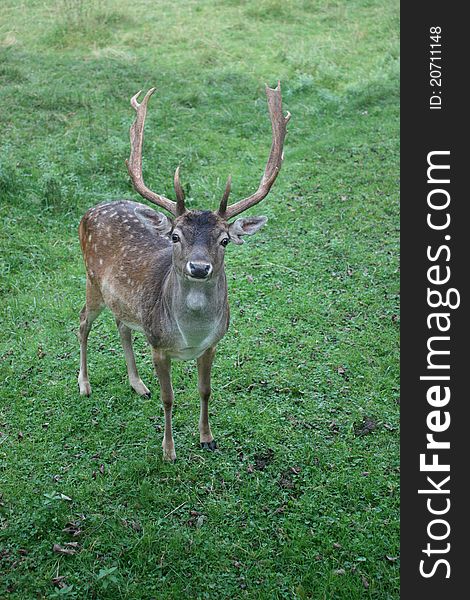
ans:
(301, 500)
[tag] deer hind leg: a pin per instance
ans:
(134, 379)
(163, 370)
(204, 365)
(93, 307)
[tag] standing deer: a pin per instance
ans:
(165, 276)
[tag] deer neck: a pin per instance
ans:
(192, 317)
(188, 316)
(187, 299)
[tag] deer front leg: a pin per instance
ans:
(163, 369)
(204, 365)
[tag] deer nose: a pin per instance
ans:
(199, 270)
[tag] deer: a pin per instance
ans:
(164, 275)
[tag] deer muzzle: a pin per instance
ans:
(199, 269)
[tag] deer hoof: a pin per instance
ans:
(209, 445)
(169, 455)
(85, 388)
(141, 389)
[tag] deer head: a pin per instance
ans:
(200, 237)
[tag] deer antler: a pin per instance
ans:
(180, 209)
(273, 166)
(134, 164)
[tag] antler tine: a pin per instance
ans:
(223, 202)
(276, 156)
(180, 208)
(134, 164)
(134, 102)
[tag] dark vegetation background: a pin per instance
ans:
(301, 501)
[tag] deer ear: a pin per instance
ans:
(164, 225)
(245, 226)
(155, 220)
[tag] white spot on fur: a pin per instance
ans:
(101, 261)
(89, 238)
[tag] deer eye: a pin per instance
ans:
(225, 241)
(175, 238)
